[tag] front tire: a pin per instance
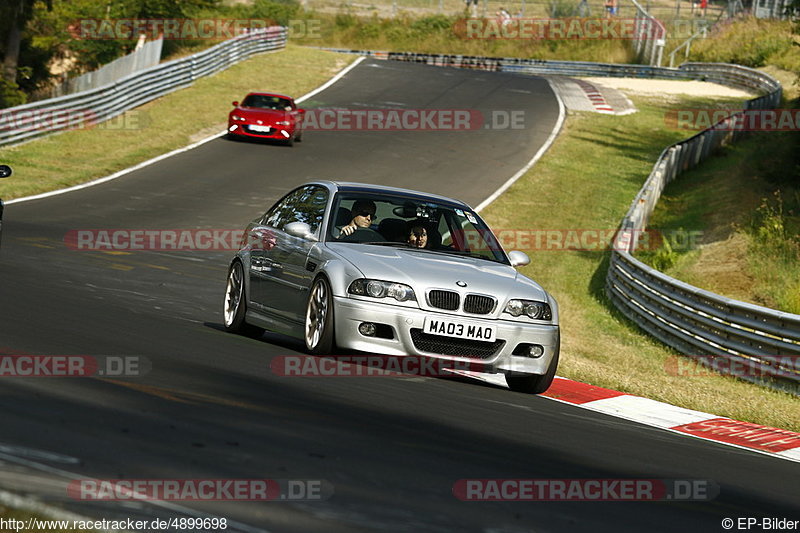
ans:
(235, 304)
(319, 319)
(535, 383)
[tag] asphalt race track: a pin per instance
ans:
(390, 449)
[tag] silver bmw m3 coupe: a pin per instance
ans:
(395, 272)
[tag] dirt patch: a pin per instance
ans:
(340, 64)
(721, 268)
(207, 132)
(789, 80)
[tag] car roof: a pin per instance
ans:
(350, 186)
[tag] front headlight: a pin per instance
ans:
(382, 289)
(529, 308)
(237, 117)
(283, 123)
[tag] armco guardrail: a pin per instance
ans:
(726, 74)
(691, 320)
(21, 123)
(757, 343)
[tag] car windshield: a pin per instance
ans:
(413, 223)
(263, 101)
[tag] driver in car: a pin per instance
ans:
(363, 213)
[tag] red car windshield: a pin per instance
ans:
(262, 101)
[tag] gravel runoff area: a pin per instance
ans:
(671, 87)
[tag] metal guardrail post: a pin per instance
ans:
(649, 36)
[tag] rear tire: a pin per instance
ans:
(235, 305)
(535, 383)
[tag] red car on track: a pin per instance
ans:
(266, 116)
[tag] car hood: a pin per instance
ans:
(422, 270)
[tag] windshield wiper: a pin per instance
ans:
(473, 254)
(445, 252)
(389, 243)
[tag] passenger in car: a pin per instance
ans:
(417, 234)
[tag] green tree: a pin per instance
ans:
(14, 16)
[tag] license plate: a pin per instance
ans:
(459, 329)
(260, 129)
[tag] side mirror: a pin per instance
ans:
(235, 103)
(299, 229)
(5, 171)
(518, 258)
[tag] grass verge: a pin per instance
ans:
(445, 34)
(746, 207)
(751, 42)
(165, 124)
(587, 180)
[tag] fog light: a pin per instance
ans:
(233, 128)
(535, 350)
(367, 329)
(285, 133)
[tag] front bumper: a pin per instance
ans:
(349, 313)
(276, 132)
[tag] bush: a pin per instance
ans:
(10, 94)
(562, 8)
(345, 20)
(769, 231)
(279, 11)
(432, 24)
(750, 42)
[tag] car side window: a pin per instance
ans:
(306, 204)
